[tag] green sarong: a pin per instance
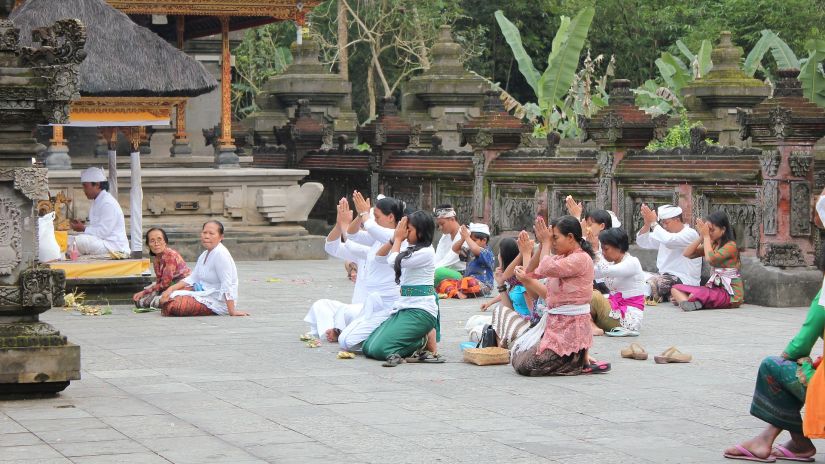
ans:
(779, 395)
(442, 273)
(405, 332)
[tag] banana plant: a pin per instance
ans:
(553, 84)
(811, 74)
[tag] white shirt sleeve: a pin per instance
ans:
(627, 268)
(646, 241)
(679, 240)
(419, 258)
(105, 221)
(449, 257)
(345, 250)
(227, 274)
(378, 233)
(820, 208)
(361, 237)
(194, 276)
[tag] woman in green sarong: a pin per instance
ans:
(781, 385)
(413, 325)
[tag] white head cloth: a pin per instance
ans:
(479, 229)
(614, 219)
(443, 213)
(668, 212)
(92, 175)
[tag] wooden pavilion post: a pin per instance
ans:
(226, 145)
(180, 144)
(57, 157)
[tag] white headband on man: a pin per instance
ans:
(93, 175)
(669, 212)
(479, 229)
(444, 213)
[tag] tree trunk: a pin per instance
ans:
(343, 39)
(371, 89)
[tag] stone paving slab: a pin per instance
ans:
(244, 390)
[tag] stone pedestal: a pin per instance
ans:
(57, 157)
(181, 148)
(715, 98)
(36, 86)
(226, 158)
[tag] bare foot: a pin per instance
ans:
(756, 446)
(598, 332)
(461, 296)
(332, 335)
(802, 450)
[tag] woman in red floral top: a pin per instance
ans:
(169, 269)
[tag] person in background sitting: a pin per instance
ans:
(106, 230)
(169, 266)
(448, 264)
(666, 231)
(478, 275)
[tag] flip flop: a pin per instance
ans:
(690, 305)
(672, 355)
(599, 367)
(393, 360)
(788, 455)
(747, 455)
(426, 357)
(634, 351)
(621, 332)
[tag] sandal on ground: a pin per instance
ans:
(747, 455)
(784, 454)
(672, 355)
(426, 357)
(393, 360)
(634, 351)
(690, 305)
(621, 332)
(598, 367)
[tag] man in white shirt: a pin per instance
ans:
(667, 232)
(106, 231)
(448, 264)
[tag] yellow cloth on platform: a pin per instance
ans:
(102, 268)
(62, 238)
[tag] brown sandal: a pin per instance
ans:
(672, 355)
(634, 351)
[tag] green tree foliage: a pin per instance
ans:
(263, 53)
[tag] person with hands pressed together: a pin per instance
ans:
(665, 231)
(106, 231)
(448, 263)
(717, 245)
(478, 275)
(212, 287)
(516, 313)
(414, 325)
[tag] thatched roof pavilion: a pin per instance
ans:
(123, 59)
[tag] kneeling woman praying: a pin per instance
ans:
(414, 322)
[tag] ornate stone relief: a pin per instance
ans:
(783, 255)
(32, 183)
(770, 160)
(743, 216)
(10, 229)
(9, 296)
(9, 36)
(800, 208)
(603, 199)
(380, 134)
(327, 136)
(770, 201)
(800, 162)
(515, 213)
(415, 136)
(819, 179)
(660, 126)
(613, 124)
(780, 122)
(482, 139)
(36, 288)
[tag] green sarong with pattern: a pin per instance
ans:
(405, 332)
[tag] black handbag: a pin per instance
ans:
(488, 337)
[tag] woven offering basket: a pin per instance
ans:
(487, 356)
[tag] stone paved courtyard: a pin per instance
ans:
(240, 390)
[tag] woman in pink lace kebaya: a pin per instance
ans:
(559, 343)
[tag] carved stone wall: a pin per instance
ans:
(769, 200)
(515, 207)
(800, 209)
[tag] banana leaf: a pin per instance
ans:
(673, 71)
(685, 51)
(525, 64)
(705, 63)
(811, 76)
(754, 58)
(558, 77)
(558, 40)
(783, 55)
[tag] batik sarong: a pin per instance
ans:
(185, 306)
(779, 395)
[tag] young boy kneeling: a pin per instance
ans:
(478, 276)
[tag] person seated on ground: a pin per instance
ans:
(169, 266)
(448, 263)
(381, 289)
(599, 218)
(478, 275)
(106, 231)
(352, 270)
(781, 388)
(667, 232)
(622, 311)
(212, 287)
(514, 315)
(414, 323)
(717, 244)
(559, 343)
